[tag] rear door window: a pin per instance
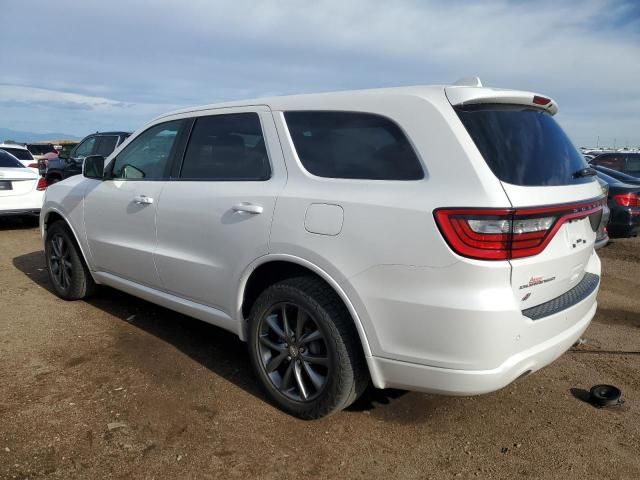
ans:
(352, 145)
(227, 147)
(523, 146)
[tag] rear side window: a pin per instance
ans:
(105, 145)
(19, 153)
(352, 145)
(226, 147)
(523, 146)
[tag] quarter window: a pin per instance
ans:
(226, 147)
(352, 145)
(147, 157)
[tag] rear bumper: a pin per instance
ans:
(388, 373)
(25, 204)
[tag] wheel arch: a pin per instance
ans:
(272, 268)
(54, 215)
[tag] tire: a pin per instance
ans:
(74, 280)
(327, 370)
(53, 179)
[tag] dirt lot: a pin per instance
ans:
(119, 388)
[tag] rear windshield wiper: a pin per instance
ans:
(585, 172)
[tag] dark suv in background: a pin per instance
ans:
(625, 162)
(66, 165)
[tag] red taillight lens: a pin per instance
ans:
(501, 234)
(538, 100)
(42, 184)
(32, 165)
(627, 199)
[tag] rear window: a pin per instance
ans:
(19, 153)
(523, 146)
(7, 161)
(352, 145)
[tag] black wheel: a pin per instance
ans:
(68, 274)
(305, 348)
(53, 179)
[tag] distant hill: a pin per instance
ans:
(27, 137)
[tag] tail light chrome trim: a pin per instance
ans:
(507, 233)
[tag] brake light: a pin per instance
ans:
(42, 184)
(538, 100)
(504, 233)
(627, 199)
(32, 165)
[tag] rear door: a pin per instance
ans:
(542, 174)
(215, 214)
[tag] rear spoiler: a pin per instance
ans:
(471, 95)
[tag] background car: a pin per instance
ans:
(624, 202)
(628, 163)
(602, 235)
(21, 189)
(21, 153)
(69, 164)
(621, 177)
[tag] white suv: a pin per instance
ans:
(428, 238)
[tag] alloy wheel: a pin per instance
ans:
(293, 352)
(60, 261)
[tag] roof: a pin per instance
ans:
(13, 145)
(467, 90)
(317, 100)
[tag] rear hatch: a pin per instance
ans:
(556, 203)
(17, 181)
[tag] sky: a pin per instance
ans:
(78, 66)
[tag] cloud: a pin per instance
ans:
(584, 54)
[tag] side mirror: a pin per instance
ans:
(93, 167)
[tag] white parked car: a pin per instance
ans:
(21, 153)
(21, 189)
(432, 238)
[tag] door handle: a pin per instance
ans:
(142, 200)
(246, 207)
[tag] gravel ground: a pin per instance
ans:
(116, 387)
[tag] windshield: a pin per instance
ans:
(9, 161)
(523, 146)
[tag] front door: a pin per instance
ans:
(120, 212)
(214, 219)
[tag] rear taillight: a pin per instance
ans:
(32, 165)
(504, 233)
(627, 199)
(42, 184)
